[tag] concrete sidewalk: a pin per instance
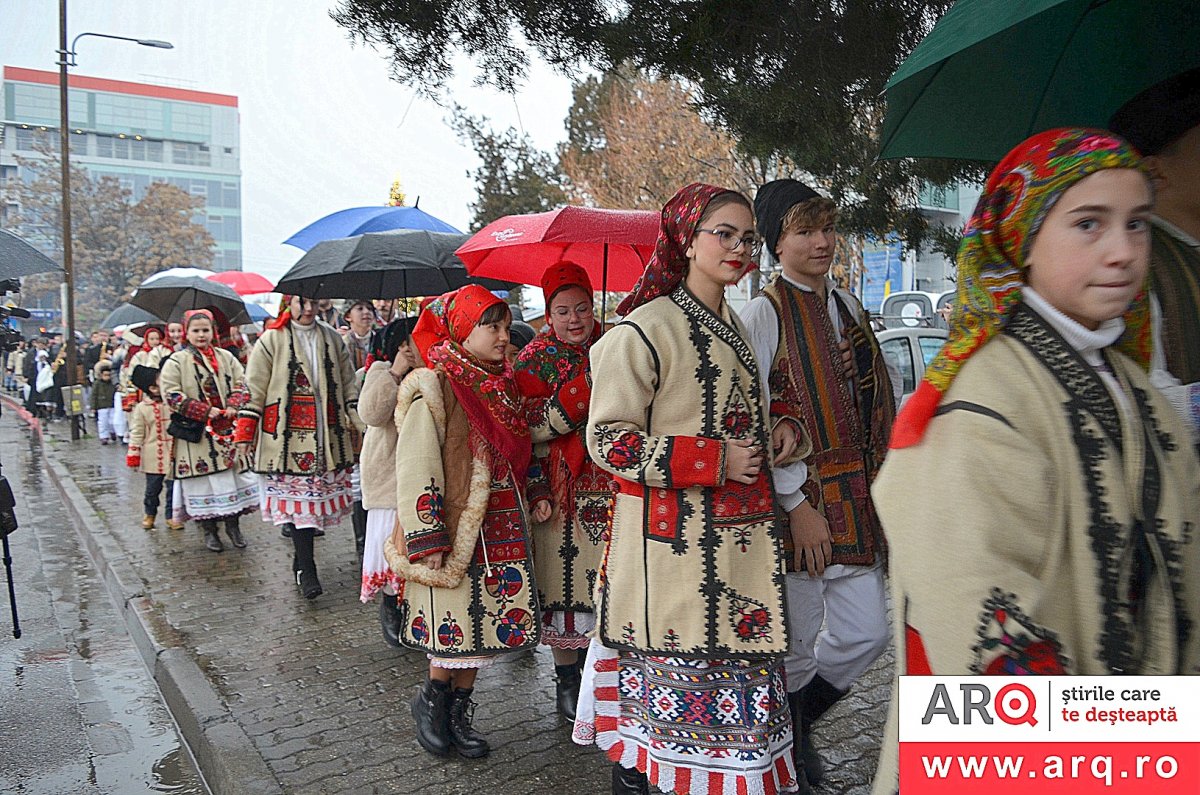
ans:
(276, 694)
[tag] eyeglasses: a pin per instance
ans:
(731, 242)
(564, 312)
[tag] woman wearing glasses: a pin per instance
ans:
(684, 685)
(554, 375)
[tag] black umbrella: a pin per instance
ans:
(128, 315)
(396, 264)
(18, 258)
(170, 296)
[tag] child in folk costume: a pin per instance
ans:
(151, 448)
(104, 392)
(555, 379)
(824, 364)
(301, 423)
(206, 385)
(1071, 546)
(691, 618)
(461, 544)
(149, 353)
(392, 357)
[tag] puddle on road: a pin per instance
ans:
(174, 773)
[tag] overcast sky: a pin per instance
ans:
(322, 126)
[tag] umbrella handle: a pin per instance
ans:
(604, 290)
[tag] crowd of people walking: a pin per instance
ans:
(701, 513)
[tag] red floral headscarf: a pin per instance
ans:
(994, 252)
(451, 317)
(668, 264)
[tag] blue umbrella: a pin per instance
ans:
(257, 312)
(357, 220)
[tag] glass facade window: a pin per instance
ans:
(190, 154)
(191, 120)
(120, 113)
(939, 198)
(28, 137)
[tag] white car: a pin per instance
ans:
(911, 350)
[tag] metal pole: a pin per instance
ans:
(68, 262)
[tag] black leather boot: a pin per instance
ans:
(566, 689)
(359, 519)
(286, 529)
(429, 707)
(389, 620)
(463, 736)
(816, 698)
(303, 564)
(234, 530)
(628, 781)
(211, 540)
(804, 756)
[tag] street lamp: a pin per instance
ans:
(67, 58)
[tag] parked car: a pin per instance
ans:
(911, 350)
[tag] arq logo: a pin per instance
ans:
(1014, 704)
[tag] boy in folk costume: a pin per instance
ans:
(461, 544)
(691, 618)
(301, 423)
(151, 448)
(824, 366)
(1071, 546)
(104, 391)
(555, 379)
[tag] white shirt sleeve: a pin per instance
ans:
(1184, 398)
(762, 324)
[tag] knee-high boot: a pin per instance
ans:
(303, 564)
(233, 529)
(359, 519)
(211, 539)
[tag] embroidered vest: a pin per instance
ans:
(849, 421)
(1175, 279)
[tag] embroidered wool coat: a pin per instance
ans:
(149, 443)
(555, 380)
(191, 388)
(280, 413)
(694, 566)
(1039, 529)
(455, 496)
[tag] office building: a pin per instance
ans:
(138, 133)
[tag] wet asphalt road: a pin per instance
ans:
(79, 713)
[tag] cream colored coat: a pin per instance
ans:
(281, 410)
(694, 566)
(148, 437)
(451, 498)
(1024, 563)
(377, 408)
(190, 387)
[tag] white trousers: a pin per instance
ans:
(850, 602)
(104, 423)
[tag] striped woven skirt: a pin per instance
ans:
(318, 501)
(694, 727)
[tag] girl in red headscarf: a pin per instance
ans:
(1065, 539)
(555, 378)
(690, 605)
(149, 354)
(461, 544)
(206, 385)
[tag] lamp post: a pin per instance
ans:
(67, 58)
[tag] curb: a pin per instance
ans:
(224, 754)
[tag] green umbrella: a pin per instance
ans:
(993, 72)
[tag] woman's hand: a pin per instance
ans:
(743, 460)
(399, 369)
(542, 510)
(811, 539)
(784, 440)
(434, 561)
(214, 412)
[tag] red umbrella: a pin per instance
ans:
(612, 245)
(243, 282)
